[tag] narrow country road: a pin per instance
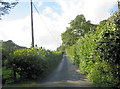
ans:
(65, 75)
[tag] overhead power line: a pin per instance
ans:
(44, 23)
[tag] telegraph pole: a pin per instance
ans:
(32, 23)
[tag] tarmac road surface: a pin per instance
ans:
(65, 75)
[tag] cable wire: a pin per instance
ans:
(44, 23)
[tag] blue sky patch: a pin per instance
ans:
(55, 7)
(22, 9)
(113, 9)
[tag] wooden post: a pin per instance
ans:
(32, 24)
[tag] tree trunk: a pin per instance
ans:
(14, 72)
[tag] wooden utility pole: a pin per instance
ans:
(32, 23)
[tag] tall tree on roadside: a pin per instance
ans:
(78, 27)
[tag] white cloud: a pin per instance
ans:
(20, 32)
(97, 10)
(47, 10)
(14, 30)
(40, 3)
(50, 36)
(94, 10)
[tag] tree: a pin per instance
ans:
(78, 27)
(102, 23)
(69, 37)
(77, 24)
(5, 7)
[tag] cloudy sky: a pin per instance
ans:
(52, 20)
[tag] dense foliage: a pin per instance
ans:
(78, 27)
(8, 47)
(29, 63)
(97, 52)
